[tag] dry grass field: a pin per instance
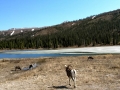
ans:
(101, 73)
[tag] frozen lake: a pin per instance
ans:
(60, 52)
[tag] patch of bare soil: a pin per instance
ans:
(101, 73)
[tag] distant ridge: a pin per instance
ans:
(96, 30)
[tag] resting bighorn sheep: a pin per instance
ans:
(90, 57)
(71, 73)
(17, 67)
(30, 66)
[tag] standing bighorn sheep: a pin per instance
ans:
(71, 73)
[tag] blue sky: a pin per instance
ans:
(40, 13)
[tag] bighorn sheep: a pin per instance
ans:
(90, 57)
(71, 73)
(30, 66)
(17, 67)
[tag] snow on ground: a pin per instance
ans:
(12, 33)
(94, 50)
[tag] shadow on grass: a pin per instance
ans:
(59, 87)
(12, 70)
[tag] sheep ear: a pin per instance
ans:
(65, 65)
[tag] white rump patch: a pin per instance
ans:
(73, 73)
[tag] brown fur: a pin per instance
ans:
(17, 67)
(90, 57)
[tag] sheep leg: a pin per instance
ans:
(69, 81)
(75, 83)
(74, 80)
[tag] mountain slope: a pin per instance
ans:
(101, 29)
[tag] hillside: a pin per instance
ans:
(101, 29)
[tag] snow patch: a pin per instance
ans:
(93, 17)
(32, 29)
(12, 33)
(73, 23)
(21, 30)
